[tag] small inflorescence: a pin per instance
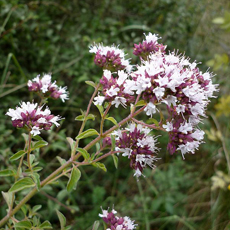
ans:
(148, 46)
(114, 222)
(31, 116)
(136, 143)
(115, 90)
(47, 88)
(110, 57)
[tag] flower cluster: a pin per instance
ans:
(148, 46)
(174, 81)
(49, 89)
(115, 90)
(136, 143)
(110, 58)
(117, 223)
(170, 79)
(31, 116)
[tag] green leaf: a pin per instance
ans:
(115, 160)
(84, 153)
(8, 197)
(39, 144)
(152, 120)
(101, 109)
(22, 184)
(80, 118)
(141, 103)
(46, 225)
(37, 169)
(61, 160)
(96, 225)
(113, 142)
(71, 142)
(91, 83)
(7, 172)
(36, 208)
(36, 178)
(99, 165)
(87, 133)
(24, 209)
(23, 224)
(17, 155)
(74, 178)
(112, 120)
(62, 219)
(90, 117)
(38, 138)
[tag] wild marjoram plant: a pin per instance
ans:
(161, 78)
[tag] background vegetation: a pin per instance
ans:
(53, 37)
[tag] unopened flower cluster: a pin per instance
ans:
(161, 78)
(48, 88)
(114, 222)
(110, 57)
(135, 143)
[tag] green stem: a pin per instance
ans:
(28, 152)
(67, 164)
(147, 224)
(103, 118)
(86, 114)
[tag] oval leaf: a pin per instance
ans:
(84, 153)
(91, 83)
(17, 155)
(112, 120)
(22, 184)
(23, 224)
(99, 165)
(115, 160)
(87, 133)
(7, 172)
(62, 219)
(46, 225)
(74, 178)
(39, 144)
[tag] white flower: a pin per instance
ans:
(168, 127)
(151, 37)
(99, 100)
(64, 93)
(170, 100)
(150, 109)
(35, 131)
(119, 100)
(112, 91)
(180, 109)
(122, 77)
(187, 127)
(107, 74)
(159, 92)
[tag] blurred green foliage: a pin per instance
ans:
(53, 36)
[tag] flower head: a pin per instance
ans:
(115, 89)
(114, 222)
(110, 58)
(49, 89)
(136, 143)
(148, 46)
(31, 116)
